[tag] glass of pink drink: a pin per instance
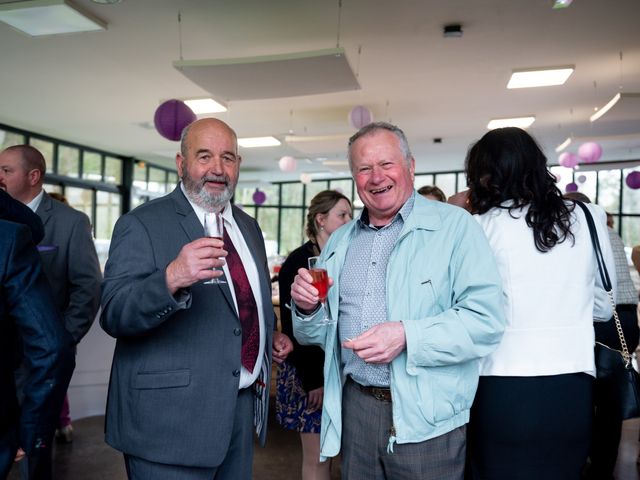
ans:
(321, 283)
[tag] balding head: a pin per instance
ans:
(22, 170)
(193, 128)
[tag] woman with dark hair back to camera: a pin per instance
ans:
(300, 379)
(532, 415)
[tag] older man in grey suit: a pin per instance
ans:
(68, 255)
(192, 363)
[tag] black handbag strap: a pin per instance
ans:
(602, 268)
(606, 281)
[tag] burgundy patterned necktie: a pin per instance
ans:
(247, 309)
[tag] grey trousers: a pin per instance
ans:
(237, 464)
(366, 424)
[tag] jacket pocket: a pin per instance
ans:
(170, 379)
(427, 298)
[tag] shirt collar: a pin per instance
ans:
(36, 201)
(403, 213)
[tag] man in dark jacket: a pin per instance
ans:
(31, 331)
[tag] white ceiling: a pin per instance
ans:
(101, 88)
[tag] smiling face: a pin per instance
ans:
(210, 165)
(383, 176)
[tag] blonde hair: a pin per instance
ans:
(321, 204)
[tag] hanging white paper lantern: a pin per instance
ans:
(287, 164)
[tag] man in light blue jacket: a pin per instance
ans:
(416, 298)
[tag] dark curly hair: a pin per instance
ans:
(507, 164)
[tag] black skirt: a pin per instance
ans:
(530, 428)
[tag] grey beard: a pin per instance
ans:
(209, 202)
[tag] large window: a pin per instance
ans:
(113, 170)
(92, 166)
(292, 224)
(46, 148)
(68, 161)
(9, 138)
(90, 180)
(108, 207)
(94, 182)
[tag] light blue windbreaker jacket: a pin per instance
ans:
(443, 284)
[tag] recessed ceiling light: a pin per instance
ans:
(48, 17)
(561, 4)
(521, 122)
(253, 142)
(205, 105)
(540, 77)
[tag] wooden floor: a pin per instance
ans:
(89, 458)
(627, 468)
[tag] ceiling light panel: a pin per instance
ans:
(48, 17)
(540, 77)
(627, 106)
(205, 105)
(272, 76)
(520, 122)
(563, 145)
(254, 142)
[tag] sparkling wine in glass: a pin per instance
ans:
(214, 228)
(321, 283)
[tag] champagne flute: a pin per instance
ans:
(214, 228)
(321, 283)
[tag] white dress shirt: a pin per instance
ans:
(246, 378)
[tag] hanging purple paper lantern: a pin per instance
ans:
(582, 178)
(571, 187)
(633, 180)
(171, 118)
(590, 152)
(287, 164)
(259, 197)
(359, 117)
(568, 160)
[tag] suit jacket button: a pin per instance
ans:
(236, 373)
(237, 331)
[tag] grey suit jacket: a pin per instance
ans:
(70, 262)
(176, 367)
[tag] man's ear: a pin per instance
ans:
(179, 164)
(34, 177)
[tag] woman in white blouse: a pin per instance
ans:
(532, 415)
